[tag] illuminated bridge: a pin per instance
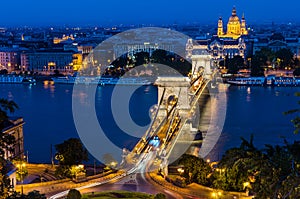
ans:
(175, 119)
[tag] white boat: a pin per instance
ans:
(247, 81)
(8, 79)
(101, 81)
(11, 79)
(265, 81)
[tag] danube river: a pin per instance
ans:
(47, 111)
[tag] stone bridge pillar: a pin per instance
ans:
(202, 61)
(177, 87)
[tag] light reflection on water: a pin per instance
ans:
(47, 111)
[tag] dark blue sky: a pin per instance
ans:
(78, 12)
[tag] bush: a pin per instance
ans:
(160, 196)
(296, 72)
(74, 194)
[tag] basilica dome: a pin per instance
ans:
(233, 19)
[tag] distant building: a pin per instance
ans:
(235, 27)
(57, 40)
(9, 59)
(14, 127)
(47, 60)
(276, 42)
(218, 48)
(229, 44)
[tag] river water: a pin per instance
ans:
(47, 111)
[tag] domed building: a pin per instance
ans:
(229, 44)
(235, 27)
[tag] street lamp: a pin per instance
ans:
(180, 170)
(220, 170)
(216, 194)
(21, 171)
(246, 186)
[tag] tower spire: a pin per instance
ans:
(233, 11)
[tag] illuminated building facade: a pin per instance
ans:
(222, 45)
(48, 61)
(235, 27)
(9, 59)
(14, 127)
(218, 48)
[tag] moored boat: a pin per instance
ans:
(264, 81)
(101, 80)
(11, 79)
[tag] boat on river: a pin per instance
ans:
(264, 81)
(101, 80)
(11, 79)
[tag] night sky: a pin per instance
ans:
(113, 12)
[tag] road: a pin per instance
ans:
(141, 179)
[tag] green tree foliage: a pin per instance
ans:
(257, 67)
(234, 64)
(141, 58)
(296, 72)
(5, 107)
(195, 169)
(74, 194)
(125, 63)
(239, 164)
(70, 153)
(270, 173)
(160, 196)
(35, 195)
(6, 143)
(30, 195)
(280, 178)
(285, 57)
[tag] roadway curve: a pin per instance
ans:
(142, 182)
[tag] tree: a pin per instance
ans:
(160, 196)
(3, 72)
(6, 106)
(35, 195)
(257, 67)
(74, 194)
(6, 143)
(285, 57)
(195, 169)
(141, 58)
(241, 164)
(234, 64)
(70, 153)
(159, 56)
(296, 72)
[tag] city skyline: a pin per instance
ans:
(93, 12)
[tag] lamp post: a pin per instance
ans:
(246, 186)
(216, 194)
(21, 171)
(180, 170)
(220, 170)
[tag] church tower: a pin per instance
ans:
(220, 27)
(234, 26)
(243, 26)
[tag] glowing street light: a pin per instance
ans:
(180, 170)
(216, 194)
(220, 170)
